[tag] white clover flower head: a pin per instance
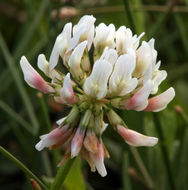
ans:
(118, 73)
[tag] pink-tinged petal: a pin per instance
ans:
(54, 137)
(63, 139)
(134, 138)
(98, 159)
(160, 102)
(139, 100)
(33, 78)
(77, 142)
(67, 92)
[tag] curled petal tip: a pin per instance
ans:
(39, 146)
(134, 138)
(33, 78)
(158, 103)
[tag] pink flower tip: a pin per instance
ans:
(77, 142)
(53, 138)
(134, 138)
(98, 159)
(161, 101)
(33, 78)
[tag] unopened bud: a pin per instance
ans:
(114, 118)
(77, 141)
(178, 109)
(35, 185)
(67, 12)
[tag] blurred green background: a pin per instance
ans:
(29, 27)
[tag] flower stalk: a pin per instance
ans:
(61, 174)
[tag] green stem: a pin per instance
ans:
(129, 15)
(15, 73)
(142, 167)
(61, 174)
(125, 175)
(45, 112)
(47, 164)
(164, 151)
(23, 167)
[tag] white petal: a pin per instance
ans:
(153, 51)
(44, 142)
(109, 55)
(157, 65)
(60, 45)
(84, 30)
(60, 121)
(75, 60)
(43, 64)
(121, 82)
(105, 125)
(104, 36)
(157, 79)
(125, 40)
(75, 40)
(90, 36)
(144, 59)
(96, 84)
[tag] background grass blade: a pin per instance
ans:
(31, 29)
(15, 74)
(15, 116)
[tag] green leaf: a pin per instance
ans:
(74, 179)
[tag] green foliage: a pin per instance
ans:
(74, 179)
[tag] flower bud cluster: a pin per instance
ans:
(106, 68)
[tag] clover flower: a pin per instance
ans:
(106, 69)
